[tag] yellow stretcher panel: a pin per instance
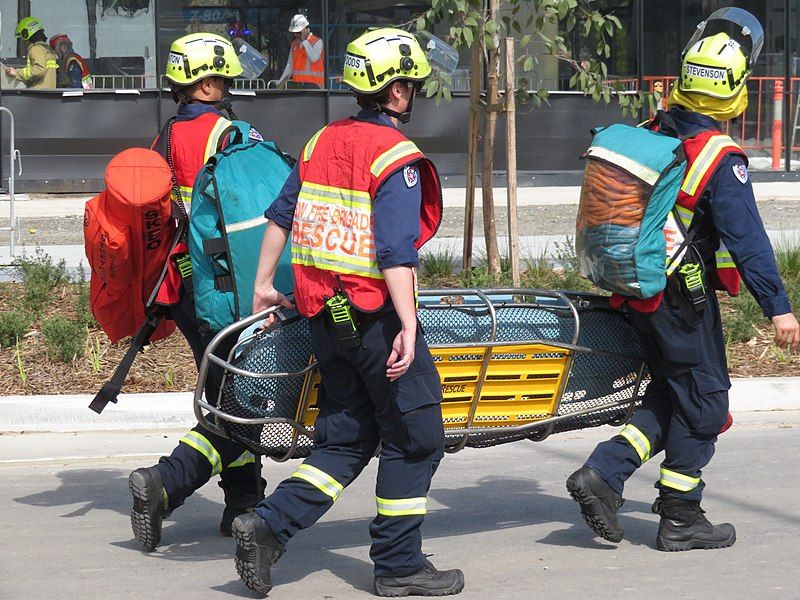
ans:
(522, 384)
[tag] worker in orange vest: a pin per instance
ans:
(306, 65)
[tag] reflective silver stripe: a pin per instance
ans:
(245, 225)
(638, 440)
(320, 480)
(646, 174)
(677, 481)
(393, 154)
(246, 458)
(402, 507)
(200, 443)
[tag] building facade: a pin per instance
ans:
(66, 136)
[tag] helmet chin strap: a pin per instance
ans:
(403, 117)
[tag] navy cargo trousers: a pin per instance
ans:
(360, 411)
(685, 404)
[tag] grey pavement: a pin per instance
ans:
(500, 514)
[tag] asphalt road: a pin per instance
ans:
(501, 514)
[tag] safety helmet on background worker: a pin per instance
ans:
(298, 23)
(716, 63)
(199, 55)
(377, 58)
(27, 27)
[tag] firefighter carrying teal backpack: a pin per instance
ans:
(630, 186)
(227, 224)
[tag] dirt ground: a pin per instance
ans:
(168, 366)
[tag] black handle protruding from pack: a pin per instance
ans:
(111, 389)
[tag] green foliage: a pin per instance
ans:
(550, 27)
(434, 267)
(14, 324)
(739, 324)
(83, 311)
(22, 371)
(560, 273)
(64, 339)
(40, 278)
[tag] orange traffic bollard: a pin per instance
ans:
(777, 123)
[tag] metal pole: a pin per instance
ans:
(12, 155)
(639, 13)
(787, 85)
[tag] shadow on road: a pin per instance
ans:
(491, 504)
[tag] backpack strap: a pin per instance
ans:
(111, 389)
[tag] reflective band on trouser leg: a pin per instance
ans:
(320, 480)
(638, 440)
(246, 458)
(676, 481)
(402, 507)
(200, 443)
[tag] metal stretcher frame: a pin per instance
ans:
(540, 428)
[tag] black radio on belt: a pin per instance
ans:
(344, 322)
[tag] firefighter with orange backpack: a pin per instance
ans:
(200, 68)
(680, 330)
(359, 204)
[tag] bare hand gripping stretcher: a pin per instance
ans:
(514, 364)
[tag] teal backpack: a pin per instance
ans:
(630, 185)
(227, 224)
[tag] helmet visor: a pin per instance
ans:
(441, 55)
(252, 61)
(739, 24)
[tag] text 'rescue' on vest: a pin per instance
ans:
(341, 169)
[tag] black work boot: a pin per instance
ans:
(428, 581)
(256, 551)
(684, 526)
(228, 515)
(149, 506)
(599, 503)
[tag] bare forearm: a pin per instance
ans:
(400, 281)
(271, 248)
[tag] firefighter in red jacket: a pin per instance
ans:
(200, 69)
(359, 204)
(680, 331)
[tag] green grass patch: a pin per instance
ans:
(65, 339)
(41, 276)
(14, 324)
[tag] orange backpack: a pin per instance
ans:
(128, 233)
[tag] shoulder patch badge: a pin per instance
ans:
(254, 135)
(741, 173)
(411, 175)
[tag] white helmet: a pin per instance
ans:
(298, 23)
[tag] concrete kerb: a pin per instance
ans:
(70, 413)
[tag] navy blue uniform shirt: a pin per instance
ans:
(732, 216)
(395, 209)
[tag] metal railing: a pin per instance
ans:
(14, 159)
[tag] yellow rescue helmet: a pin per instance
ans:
(27, 27)
(199, 55)
(719, 57)
(377, 58)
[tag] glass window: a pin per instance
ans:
(265, 26)
(622, 62)
(108, 45)
(667, 28)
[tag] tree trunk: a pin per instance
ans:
(476, 82)
(492, 99)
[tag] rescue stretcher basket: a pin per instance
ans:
(514, 364)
